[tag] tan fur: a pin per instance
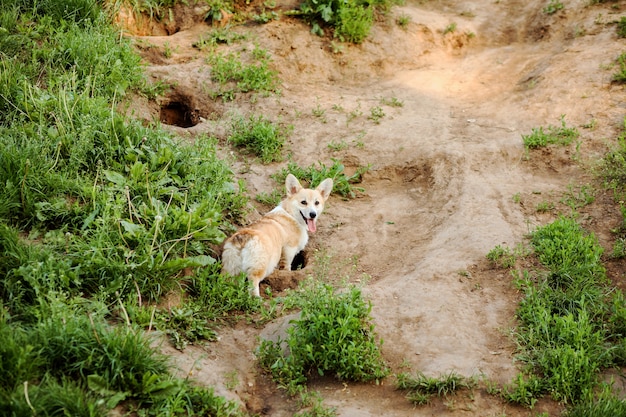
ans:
(278, 236)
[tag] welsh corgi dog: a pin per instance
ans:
(277, 237)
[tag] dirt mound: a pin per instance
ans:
(446, 161)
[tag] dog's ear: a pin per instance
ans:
(325, 188)
(292, 184)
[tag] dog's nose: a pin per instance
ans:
(312, 214)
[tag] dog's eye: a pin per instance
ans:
(303, 202)
(317, 203)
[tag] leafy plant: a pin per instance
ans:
(259, 136)
(620, 75)
(421, 388)
(553, 7)
(566, 333)
(621, 27)
(235, 76)
(333, 335)
(562, 135)
(342, 184)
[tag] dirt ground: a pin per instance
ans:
(449, 177)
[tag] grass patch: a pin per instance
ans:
(559, 135)
(259, 136)
(342, 183)
(333, 336)
(99, 217)
(234, 75)
(568, 319)
(420, 388)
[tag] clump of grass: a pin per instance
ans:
(621, 27)
(234, 76)
(260, 136)
(420, 388)
(351, 20)
(620, 75)
(562, 135)
(568, 318)
(95, 209)
(342, 183)
(553, 7)
(333, 335)
(403, 21)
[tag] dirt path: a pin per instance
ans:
(444, 169)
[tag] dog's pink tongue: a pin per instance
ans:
(311, 225)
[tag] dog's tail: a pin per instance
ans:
(232, 261)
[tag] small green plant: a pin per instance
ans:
(351, 20)
(621, 27)
(335, 146)
(260, 136)
(502, 257)
(421, 388)
(576, 199)
(403, 21)
(333, 335)
(562, 135)
(218, 36)
(391, 102)
(620, 75)
(376, 113)
(450, 28)
(342, 183)
(271, 199)
(233, 75)
(553, 7)
(544, 206)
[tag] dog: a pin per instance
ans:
(278, 236)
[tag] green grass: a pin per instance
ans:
(99, 217)
(559, 135)
(260, 136)
(333, 336)
(314, 174)
(350, 21)
(236, 74)
(620, 75)
(570, 319)
(420, 388)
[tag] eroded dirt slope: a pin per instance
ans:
(444, 169)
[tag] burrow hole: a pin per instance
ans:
(177, 113)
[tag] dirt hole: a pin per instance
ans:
(299, 261)
(178, 114)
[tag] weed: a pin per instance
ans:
(576, 199)
(376, 113)
(621, 27)
(391, 102)
(218, 36)
(403, 21)
(259, 136)
(502, 257)
(421, 388)
(352, 20)
(544, 206)
(270, 199)
(233, 75)
(96, 209)
(562, 135)
(553, 7)
(450, 28)
(342, 183)
(334, 146)
(567, 318)
(333, 335)
(620, 75)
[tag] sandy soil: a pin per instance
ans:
(444, 169)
